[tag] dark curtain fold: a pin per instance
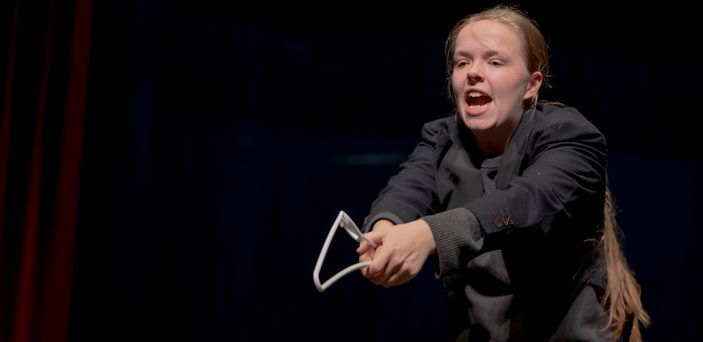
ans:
(47, 49)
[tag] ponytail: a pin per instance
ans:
(622, 294)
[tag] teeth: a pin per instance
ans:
(478, 107)
(475, 94)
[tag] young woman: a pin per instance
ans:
(511, 195)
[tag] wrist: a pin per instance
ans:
(382, 223)
(427, 237)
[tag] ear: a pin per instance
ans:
(533, 85)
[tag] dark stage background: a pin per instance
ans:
(220, 142)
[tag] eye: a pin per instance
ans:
(461, 63)
(496, 62)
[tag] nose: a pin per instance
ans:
(474, 74)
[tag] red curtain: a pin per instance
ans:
(47, 51)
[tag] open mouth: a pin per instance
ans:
(477, 101)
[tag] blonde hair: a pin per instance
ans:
(622, 294)
(621, 300)
(535, 47)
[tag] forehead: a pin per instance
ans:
(489, 34)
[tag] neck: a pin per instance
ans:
(494, 142)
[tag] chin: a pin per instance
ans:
(474, 123)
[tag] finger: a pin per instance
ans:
(397, 279)
(390, 271)
(383, 265)
(374, 279)
(368, 255)
(375, 236)
(363, 247)
(368, 275)
(364, 257)
(379, 261)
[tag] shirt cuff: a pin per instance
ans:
(458, 237)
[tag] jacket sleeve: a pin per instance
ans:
(409, 194)
(562, 174)
(565, 176)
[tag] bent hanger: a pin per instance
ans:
(346, 222)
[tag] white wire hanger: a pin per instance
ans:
(346, 222)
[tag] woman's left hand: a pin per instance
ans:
(402, 251)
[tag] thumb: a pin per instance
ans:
(364, 245)
(375, 236)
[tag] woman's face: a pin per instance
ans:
(490, 81)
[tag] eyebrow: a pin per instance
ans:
(488, 53)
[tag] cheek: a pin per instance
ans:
(512, 87)
(457, 89)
